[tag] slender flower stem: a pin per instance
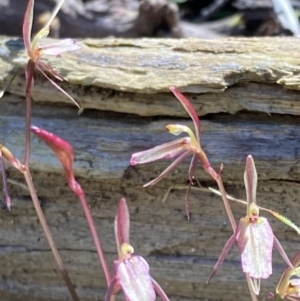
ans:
(97, 243)
(48, 235)
(75, 186)
(29, 73)
(226, 203)
(217, 177)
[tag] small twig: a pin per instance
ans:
(182, 187)
(19, 184)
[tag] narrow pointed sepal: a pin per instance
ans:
(64, 152)
(160, 291)
(255, 285)
(122, 224)
(281, 251)
(60, 47)
(27, 26)
(111, 289)
(12, 159)
(62, 149)
(250, 178)
(167, 150)
(189, 108)
(223, 255)
(5, 185)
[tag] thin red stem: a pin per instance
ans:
(75, 186)
(226, 203)
(217, 177)
(48, 235)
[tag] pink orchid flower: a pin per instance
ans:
(131, 271)
(254, 237)
(65, 153)
(180, 149)
(35, 51)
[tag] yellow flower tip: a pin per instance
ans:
(126, 250)
(175, 129)
(253, 211)
(43, 33)
(6, 153)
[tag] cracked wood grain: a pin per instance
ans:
(180, 253)
(133, 76)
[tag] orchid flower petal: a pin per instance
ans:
(284, 219)
(43, 33)
(172, 166)
(255, 241)
(4, 179)
(192, 170)
(60, 47)
(111, 289)
(12, 159)
(255, 285)
(192, 167)
(177, 129)
(56, 85)
(160, 291)
(190, 110)
(223, 255)
(134, 278)
(27, 26)
(122, 224)
(62, 149)
(49, 69)
(250, 179)
(281, 251)
(164, 151)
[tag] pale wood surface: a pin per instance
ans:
(181, 253)
(133, 76)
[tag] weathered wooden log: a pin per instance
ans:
(221, 76)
